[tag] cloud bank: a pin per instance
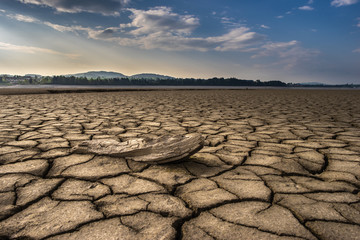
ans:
(160, 19)
(105, 7)
(162, 28)
(340, 3)
(32, 50)
(22, 18)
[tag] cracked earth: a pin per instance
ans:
(277, 164)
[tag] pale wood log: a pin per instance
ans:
(160, 150)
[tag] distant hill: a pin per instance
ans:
(150, 76)
(108, 75)
(98, 74)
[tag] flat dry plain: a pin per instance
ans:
(278, 164)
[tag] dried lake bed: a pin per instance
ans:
(277, 164)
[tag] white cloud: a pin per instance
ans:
(356, 50)
(231, 22)
(306, 8)
(105, 7)
(22, 18)
(340, 3)
(32, 50)
(2, 10)
(310, 1)
(271, 47)
(160, 19)
(264, 26)
(165, 41)
(60, 28)
(97, 34)
(227, 20)
(358, 25)
(161, 28)
(279, 17)
(240, 39)
(57, 27)
(74, 29)
(290, 53)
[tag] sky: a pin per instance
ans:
(286, 40)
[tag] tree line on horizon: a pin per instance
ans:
(71, 80)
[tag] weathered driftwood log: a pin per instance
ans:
(161, 150)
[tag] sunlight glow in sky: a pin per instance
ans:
(287, 40)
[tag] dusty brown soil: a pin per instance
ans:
(278, 164)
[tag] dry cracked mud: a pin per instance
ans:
(277, 164)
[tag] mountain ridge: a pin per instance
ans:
(98, 74)
(107, 75)
(150, 76)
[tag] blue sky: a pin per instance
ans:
(287, 40)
